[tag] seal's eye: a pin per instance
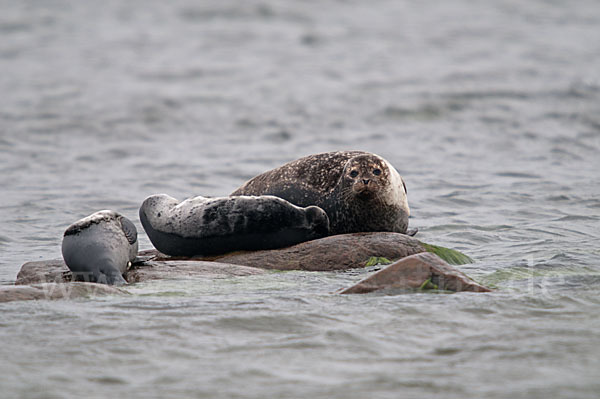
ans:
(353, 173)
(376, 172)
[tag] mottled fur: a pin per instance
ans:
(358, 190)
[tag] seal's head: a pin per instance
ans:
(318, 220)
(365, 177)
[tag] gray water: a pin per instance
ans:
(490, 111)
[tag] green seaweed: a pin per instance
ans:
(519, 273)
(428, 285)
(377, 260)
(451, 256)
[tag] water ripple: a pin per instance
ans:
(107, 102)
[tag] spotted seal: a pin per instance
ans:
(358, 190)
(210, 226)
(100, 247)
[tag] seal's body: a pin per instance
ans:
(359, 191)
(99, 248)
(210, 226)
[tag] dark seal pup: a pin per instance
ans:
(210, 226)
(99, 248)
(359, 191)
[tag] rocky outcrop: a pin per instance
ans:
(56, 291)
(423, 271)
(56, 271)
(339, 252)
(416, 269)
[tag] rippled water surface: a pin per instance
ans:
(490, 111)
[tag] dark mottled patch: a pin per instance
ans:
(353, 187)
(319, 172)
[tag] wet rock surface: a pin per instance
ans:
(49, 291)
(45, 271)
(338, 252)
(158, 270)
(56, 271)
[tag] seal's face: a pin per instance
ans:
(365, 177)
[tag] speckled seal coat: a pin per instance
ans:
(100, 247)
(210, 226)
(360, 191)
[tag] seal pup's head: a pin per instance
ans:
(317, 220)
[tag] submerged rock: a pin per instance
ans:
(49, 291)
(173, 269)
(420, 271)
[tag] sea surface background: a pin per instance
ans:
(490, 110)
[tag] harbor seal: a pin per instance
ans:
(100, 247)
(359, 191)
(211, 226)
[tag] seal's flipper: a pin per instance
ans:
(129, 230)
